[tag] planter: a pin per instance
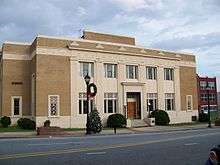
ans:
(50, 131)
(150, 121)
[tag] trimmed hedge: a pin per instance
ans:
(26, 123)
(161, 117)
(203, 117)
(116, 121)
(5, 121)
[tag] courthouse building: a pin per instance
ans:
(45, 80)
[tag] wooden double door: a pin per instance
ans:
(133, 105)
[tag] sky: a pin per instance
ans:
(179, 25)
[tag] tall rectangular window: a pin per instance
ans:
(168, 74)
(131, 71)
(202, 84)
(110, 70)
(169, 101)
(53, 105)
(16, 105)
(151, 73)
(86, 68)
(152, 101)
(189, 102)
(110, 102)
(83, 104)
(211, 85)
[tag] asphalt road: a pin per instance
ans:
(166, 148)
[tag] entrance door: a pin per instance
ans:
(131, 110)
(133, 105)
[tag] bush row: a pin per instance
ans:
(23, 123)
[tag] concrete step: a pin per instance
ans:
(138, 123)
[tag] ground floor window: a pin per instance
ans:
(151, 101)
(169, 101)
(189, 101)
(83, 104)
(53, 105)
(110, 102)
(16, 104)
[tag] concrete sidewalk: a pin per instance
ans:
(33, 134)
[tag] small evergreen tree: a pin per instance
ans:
(95, 121)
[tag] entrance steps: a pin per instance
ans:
(138, 123)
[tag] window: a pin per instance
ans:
(86, 68)
(211, 97)
(189, 103)
(16, 104)
(203, 84)
(110, 102)
(168, 74)
(203, 97)
(83, 104)
(151, 73)
(152, 101)
(211, 85)
(53, 105)
(169, 101)
(110, 70)
(131, 72)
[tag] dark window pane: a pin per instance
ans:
(91, 105)
(115, 102)
(110, 106)
(84, 106)
(105, 106)
(16, 106)
(80, 106)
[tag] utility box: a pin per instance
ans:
(150, 121)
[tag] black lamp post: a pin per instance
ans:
(209, 114)
(87, 80)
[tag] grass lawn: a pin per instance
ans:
(13, 129)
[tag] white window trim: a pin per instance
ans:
(136, 77)
(187, 97)
(90, 73)
(58, 106)
(173, 106)
(84, 99)
(20, 106)
(114, 70)
(154, 72)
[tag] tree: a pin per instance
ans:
(95, 121)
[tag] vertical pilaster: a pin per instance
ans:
(142, 78)
(160, 88)
(98, 80)
(177, 89)
(121, 95)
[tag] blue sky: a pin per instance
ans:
(180, 25)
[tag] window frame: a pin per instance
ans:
(189, 97)
(82, 98)
(170, 75)
(20, 106)
(113, 70)
(58, 106)
(90, 68)
(114, 100)
(153, 72)
(170, 96)
(154, 97)
(134, 71)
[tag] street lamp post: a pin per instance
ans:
(87, 80)
(209, 114)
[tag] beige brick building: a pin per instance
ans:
(44, 80)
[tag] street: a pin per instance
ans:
(164, 148)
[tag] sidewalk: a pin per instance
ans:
(33, 134)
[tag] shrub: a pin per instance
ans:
(203, 117)
(116, 121)
(95, 121)
(26, 123)
(47, 123)
(161, 117)
(5, 121)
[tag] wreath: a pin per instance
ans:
(92, 86)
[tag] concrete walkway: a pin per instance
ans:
(33, 134)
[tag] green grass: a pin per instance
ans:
(13, 129)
